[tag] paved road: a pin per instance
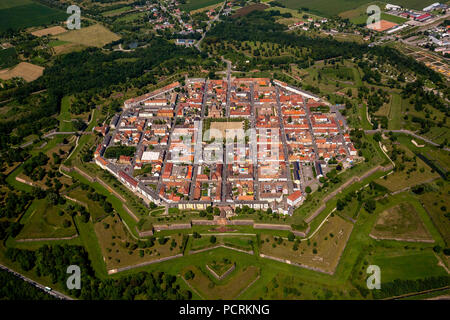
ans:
(54, 293)
(198, 147)
(408, 133)
(169, 141)
(228, 87)
(197, 45)
(308, 116)
(285, 145)
(254, 153)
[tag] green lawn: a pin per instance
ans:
(395, 112)
(55, 43)
(239, 242)
(65, 119)
(404, 265)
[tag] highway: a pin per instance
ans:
(54, 293)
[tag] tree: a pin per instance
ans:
(370, 205)
(189, 275)
(213, 239)
(291, 236)
(196, 235)
(308, 189)
(437, 248)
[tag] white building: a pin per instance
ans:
(431, 7)
(392, 7)
(295, 198)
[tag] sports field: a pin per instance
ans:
(223, 127)
(27, 13)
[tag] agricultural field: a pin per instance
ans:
(322, 251)
(27, 13)
(401, 222)
(49, 31)
(229, 288)
(192, 5)
(359, 15)
(92, 36)
(114, 12)
(27, 71)
(296, 15)
(331, 8)
(44, 220)
(246, 10)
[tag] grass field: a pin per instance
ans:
(239, 242)
(401, 221)
(401, 179)
(94, 207)
(437, 203)
(92, 36)
(192, 5)
(227, 289)
(43, 221)
(26, 13)
(403, 265)
(395, 112)
(116, 11)
(433, 153)
(322, 251)
(65, 119)
(117, 245)
(56, 43)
